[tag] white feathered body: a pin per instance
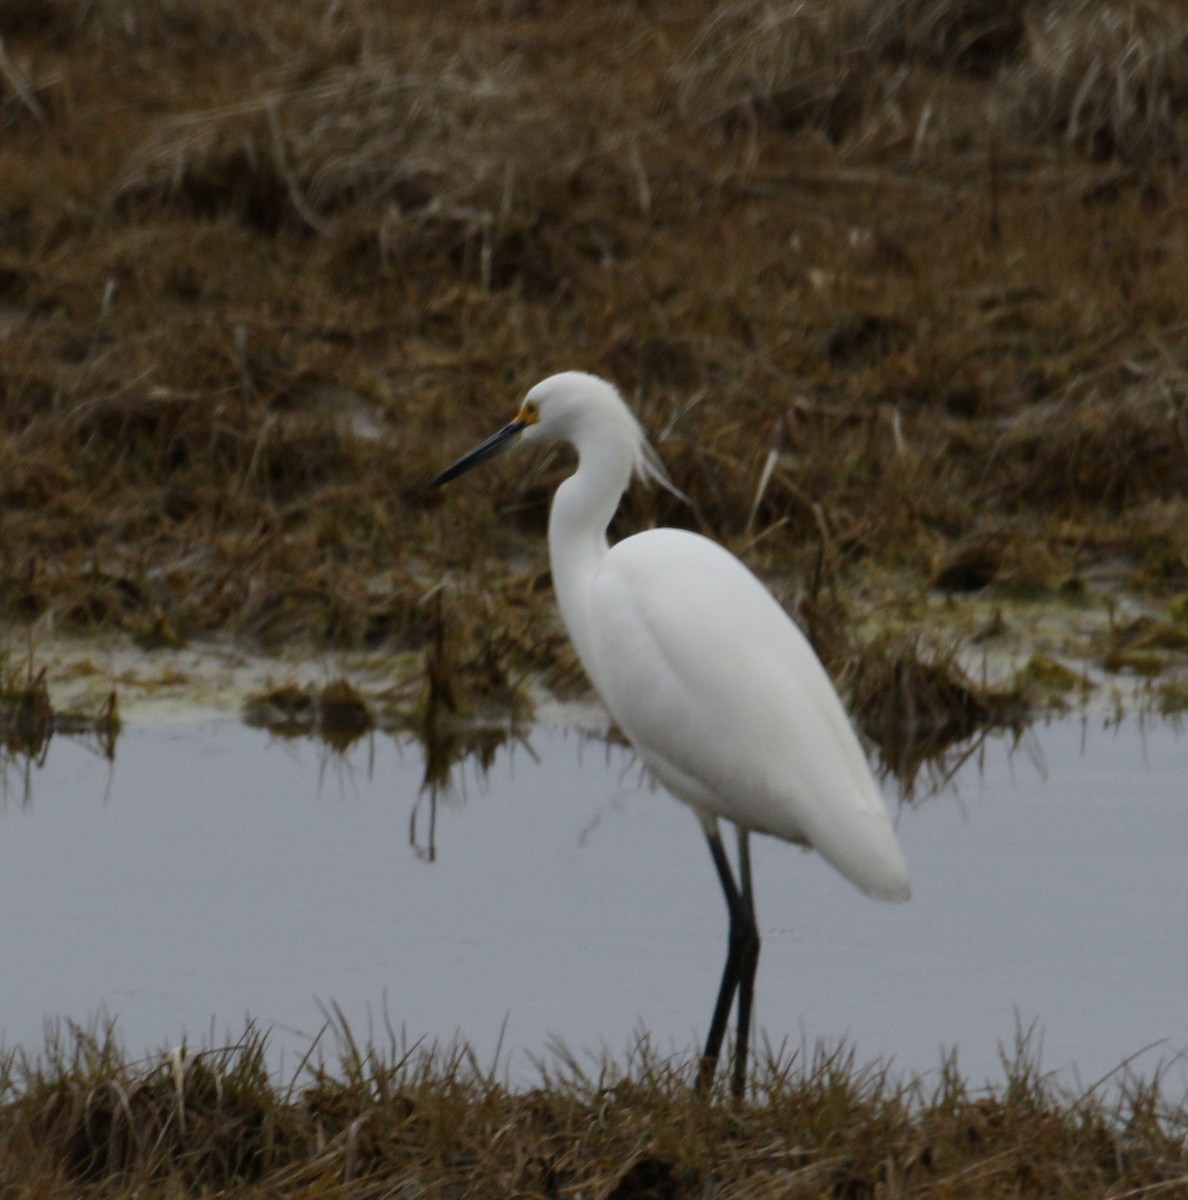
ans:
(716, 687)
(725, 701)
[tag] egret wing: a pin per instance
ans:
(727, 703)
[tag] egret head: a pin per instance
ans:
(570, 407)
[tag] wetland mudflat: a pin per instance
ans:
(212, 873)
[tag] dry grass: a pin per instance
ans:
(837, 66)
(1096, 450)
(132, 22)
(861, 270)
(264, 271)
(409, 142)
(916, 704)
(1110, 79)
(83, 1120)
(28, 719)
(786, 65)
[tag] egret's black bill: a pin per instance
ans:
(492, 446)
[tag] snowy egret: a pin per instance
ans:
(716, 688)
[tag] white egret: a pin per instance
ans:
(716, 688)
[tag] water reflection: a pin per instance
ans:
(28, 722)
(448, 750)
(215, 872)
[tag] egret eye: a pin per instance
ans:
(530, 412)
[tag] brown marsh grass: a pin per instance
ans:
(264, 269)
(83, 1119)
(28, 718)
(1110, 79)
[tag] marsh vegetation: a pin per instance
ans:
(897, 289)
(87, 1120)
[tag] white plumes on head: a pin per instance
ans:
(567, 397)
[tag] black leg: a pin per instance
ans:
(742, 959)
(748, 966)
(729, 984)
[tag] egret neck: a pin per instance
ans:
(582, 509)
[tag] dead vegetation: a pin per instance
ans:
(337, 712)
(838, 66)
(82, 1119)
(28, 719)
(915, 704)
(264, 269)
(131, 22)
(1103, 449)
(1110, 79)
(414, 143)
(898, 290)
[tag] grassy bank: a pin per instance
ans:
(84, 1120)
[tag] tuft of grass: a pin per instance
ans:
(1049, 683)
(336, 713)
(1108, 77)
(784, 65)
(458, 159)
(835, 67)
(1093, 449)
(915, 703)
(28, 719)
(84, 1115)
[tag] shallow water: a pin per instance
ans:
(212, 874)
